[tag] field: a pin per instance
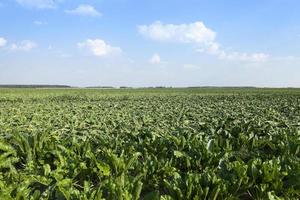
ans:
(208, 143)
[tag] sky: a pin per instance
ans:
(150, 43)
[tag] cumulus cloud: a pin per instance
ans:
(40, 4)
(84, 10)
(186, 33)
(198, 34)
(99, 47)
(25, 45)
(214, 49)
(3, 42)
(155, 59)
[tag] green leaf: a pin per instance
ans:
(104, 168)
(178, 154)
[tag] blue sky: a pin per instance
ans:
(150, 43)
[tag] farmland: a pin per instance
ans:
(209, 143)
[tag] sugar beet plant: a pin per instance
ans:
(181, 144)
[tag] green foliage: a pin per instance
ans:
(150, 144)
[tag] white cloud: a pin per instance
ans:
(214, 49)
(3, 42)
(155, 59)
(40, 4)
(236, 56)
(198, 34)
(185, 33)
(25, 45)
(40, 23)
(99, 47)
(84, 10)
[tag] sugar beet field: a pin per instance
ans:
(150, 144)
